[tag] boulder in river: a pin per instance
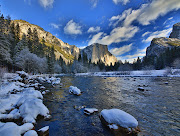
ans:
(120, 122)
(74, 90)
(89, 111)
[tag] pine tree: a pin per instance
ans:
(17, 33)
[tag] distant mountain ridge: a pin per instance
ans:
(95, 52)
(66, 51)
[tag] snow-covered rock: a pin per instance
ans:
(31, 108)
(43, 131)
(22, 74)
(56, 82)
(122, 119)
(89, 111)
(12, 129)
(74, 90)
(31, 133)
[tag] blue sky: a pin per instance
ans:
(126, 26)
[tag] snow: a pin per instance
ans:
(119, 117)
(22, 73)
(139, 73)
(74, 90)
(44, 129)
(31, 133)
(8, 102)
(113, 126)
(14, 114)
(12, 129)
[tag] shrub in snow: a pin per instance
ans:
(119, 121)
(74, 90)
(12, 129)
(30, 62)
(31, 133)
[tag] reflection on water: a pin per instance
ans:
(157, 109)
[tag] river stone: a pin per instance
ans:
(119, 130)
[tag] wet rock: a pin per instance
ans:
(89, 111)
(42, 88)
(48, 117)
(141, 89)
(43, 131)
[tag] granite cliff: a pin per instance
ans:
(98, 52)
(159, 45)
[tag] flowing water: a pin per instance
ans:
(157, 109)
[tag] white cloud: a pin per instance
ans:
(144, 15)
(82, 47)
(95, 38)
(114, 20)
(157, 8)
(122, 50)
(147, 12)
(94, 29)
(94, 3)
(117, 35)
(156, 34)
(72, 28)
(121, 1)
(56, 26)
(139, 53)
(46, 3)
(146, 33)
(28, 2)
(167, 20)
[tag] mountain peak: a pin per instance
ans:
(98, 52)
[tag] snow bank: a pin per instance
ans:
(14, 114)
(31, 133)
(12, 129)
(119, 117)
(140, 73)
(74, 90)
(8, 102)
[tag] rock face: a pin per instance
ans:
(159, 45)
(96, 52)
(66, 51)
(176, 31)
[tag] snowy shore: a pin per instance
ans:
(21, 100)
(140, 73)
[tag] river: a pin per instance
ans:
(157, 109)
